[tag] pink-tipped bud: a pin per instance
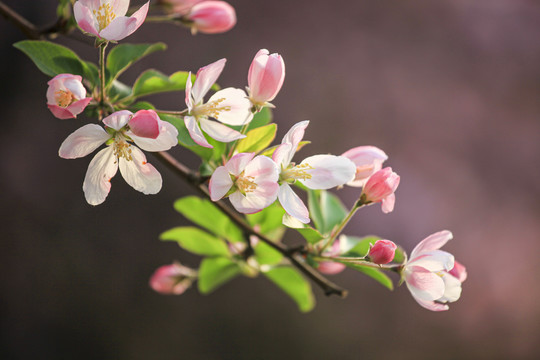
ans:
(211, 17)
(265, 77)
(380, 188)
(172, 279)
(180, 7)
(145, 123)
(382, 252)
(66, 96)
(368, 160)
(459, 271)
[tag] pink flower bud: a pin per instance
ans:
(145, 123)
(211, 17)
(368, 160)
(459, 271)
(180, 7)
(265, 77)
(172, 279)
(382, 252)
(381, 187)
(66, 96)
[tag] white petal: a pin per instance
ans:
(237, 105)
(292, 204)
(206, 77)
(263, 196)
(262, 168)
(431, 305)
(188, 99)
(328, 171)
(85, 19)
(139, 174)
(452, 288)
(436, 260)
(295, 134)
(424, 284)
(167, 138)
(432, 242)
(283, 155)
(219, 131)
(118, 120)
(119, 28)
(97, 182)
(83, 141)
(119, 7)
(220, 183)
(238, 163)
(195, 131)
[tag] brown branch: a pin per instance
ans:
(29, 29)
(296, 259)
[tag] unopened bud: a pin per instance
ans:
(172, 279)
(211, 17)
(380, 188)
(265, 77)
(382, 252)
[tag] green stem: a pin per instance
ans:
(161, 19)
(233, 147)
(344, 223)
(168, 112)
(102, 48)
(359, 261)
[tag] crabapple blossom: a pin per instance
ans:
(382, 252)
(172, 279)
(66, 96)
(145, 129)
(265, 78)
(229, 106)
(211, 17)
(368, 160)
(429, 273)
(106, 19)
(250, 182)
(318, 172)
(380, 187)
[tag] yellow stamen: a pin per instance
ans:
(122, 149)
(212, 108)
(64, 98)
(245, 184)
(104, 15)
(297, 172)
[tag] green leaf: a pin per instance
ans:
(53, 59)
(142, 105)
(270, 151)
(374, 274)
(213, 155)
(269, 219)
(353, 246)
(312, 235)
(124, 55)
(399, 257)
(153, 82)
(257, 139)
(315, 211)
(291, 282)
(214, 272)
(118, 91)
(326, 210)
(196, 241)
(266, 255)
(205, 214)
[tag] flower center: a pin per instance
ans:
(64, 98)
(245, 184)
(122, 150)
(300, 172)
(212, 109)
(104, 15)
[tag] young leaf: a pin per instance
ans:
(268, 220)
(353, 246)
(153, 82)
(118, 91)
(312, 235)
(315, 211)
(261, 118)
(257, 139)
(124, 55)
(266, 255)
(326, 210)
(214, 272)
(142, 105)
(291, 282)
(196, 241)
(53, 59)
(374, 274)
(205, 214)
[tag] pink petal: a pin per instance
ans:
(238, 163)
(262, 168)
(119, 7)
(283, 155)
(195, 131)
(83, 141)
(256, 70)
(330, 267)
(119, 28)
(212, 17)
(268, 77)
(295, 134)
(292, 204)
(435, 260)
(424, 284)
(139, 174)
(220, 183)
(219, 131)
(431, 305)
(459, 271)
(328, 171)
(388, 203)
(167, 138)
(118, 120)
(237, 104)
(189, 101)
(60, 112)
(85, 19)
(97, 182)
(368, 160)
(263, 196)
(145, 123)
(206, 77)
(432, 242)
(78, 106)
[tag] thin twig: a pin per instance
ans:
(29, 29)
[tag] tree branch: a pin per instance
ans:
(296, 259)
(29, 29)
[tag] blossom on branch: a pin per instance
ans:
(66, 96)
(265, 78)
(229, 106)
(382, 252)
(249, 182)
(172, 279)
(430, 274)
(145, 129)
(106, 18)
(211, 17)
(380, 187)
(368, 160)
(318, 172)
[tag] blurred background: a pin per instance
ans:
(449, 89)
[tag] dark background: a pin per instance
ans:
(448, 88)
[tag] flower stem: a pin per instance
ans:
(102, 48)
(357, 205)
(359, 261)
